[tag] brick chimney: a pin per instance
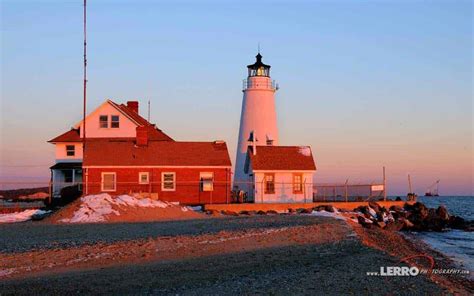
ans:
(133, 105)
(142, 136)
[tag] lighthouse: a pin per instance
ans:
(258, 122)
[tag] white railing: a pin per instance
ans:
(261, 84)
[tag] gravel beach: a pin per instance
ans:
(280, 254)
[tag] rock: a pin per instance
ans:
(380, 224)
(442, 213)
(364, 222)
(394, 225)
(272, 212)
(230, 213)
(261, 212)
(319, 208)
(457, 222)
(396, 208)
(212, 212)
(407, 224)
(374, 206)
(306, 211)
(330, 209)
(291, 210)
(300, 210)
(246, 213)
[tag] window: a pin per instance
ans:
(297, 183)
(109, 181)
(207, 181)
(70, 150)
(68, 176)
(103, 121)
(168, 181)
(269, 180)
(114, 121)
(143, 177)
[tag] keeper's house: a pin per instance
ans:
(125, 154)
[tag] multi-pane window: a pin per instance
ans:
(269, 180)
(207, 181)
(70, 150)
(297, 183)
(68, 176)
(103, 121)
(109, 181)
(144, 178)
(115, 123)
(168, 181)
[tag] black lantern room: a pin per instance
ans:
(259, 68)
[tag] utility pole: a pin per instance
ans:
(85, 82)
(84, 175)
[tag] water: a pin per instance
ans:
(456, 244)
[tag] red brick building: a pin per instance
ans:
(126, 154)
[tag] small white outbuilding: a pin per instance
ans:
(280, 174)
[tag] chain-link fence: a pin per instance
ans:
(206, 191)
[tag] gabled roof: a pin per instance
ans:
(154, 133)
(69, 136)
(124, 152)
(280, 158)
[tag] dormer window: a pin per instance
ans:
(115, 123)
(70, 150)
(103, 121)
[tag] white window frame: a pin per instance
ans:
(201, 174)
(147, 174)
(163, 181)
(102, 181)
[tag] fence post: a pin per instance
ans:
(304, 190)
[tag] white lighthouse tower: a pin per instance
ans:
(258, 122)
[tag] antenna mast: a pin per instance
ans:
(85, 83)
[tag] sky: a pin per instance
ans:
(366, 84)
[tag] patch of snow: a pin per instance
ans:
(335, 215)
(95, 208)
(196, 208)
(372, 212)
(20, 216)
(305, 150)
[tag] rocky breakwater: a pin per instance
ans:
(415, 217)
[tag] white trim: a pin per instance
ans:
(140, 177)
(155, 166)
(102, 181)
(163, 182)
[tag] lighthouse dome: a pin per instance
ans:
(259, 68)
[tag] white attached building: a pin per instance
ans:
(280, 174)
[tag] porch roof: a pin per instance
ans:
(67, 166)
